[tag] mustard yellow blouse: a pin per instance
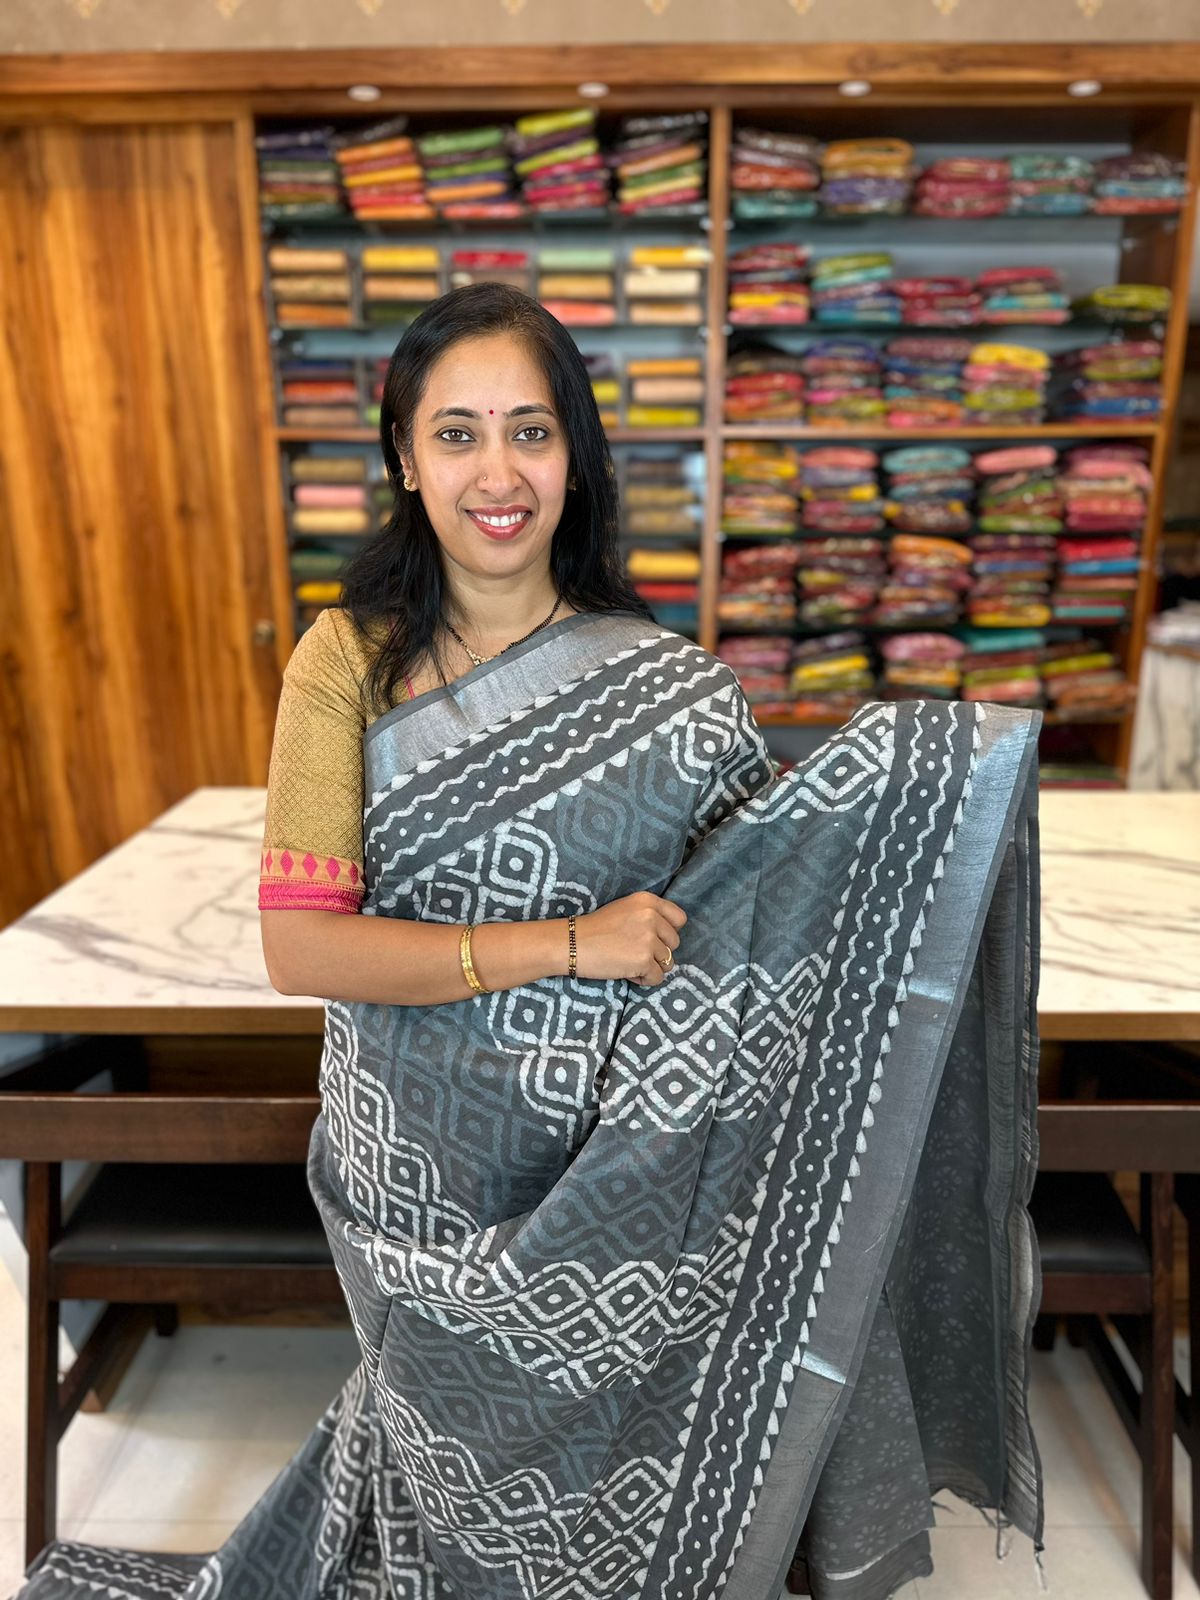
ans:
(312, 854)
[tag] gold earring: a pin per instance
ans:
(408, 482)
(570, 483)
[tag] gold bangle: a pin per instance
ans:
(464, 956)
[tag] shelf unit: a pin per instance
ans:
(1094, 249)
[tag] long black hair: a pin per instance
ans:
(396, 578)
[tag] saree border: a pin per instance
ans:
(920, 1046)
(469, 681)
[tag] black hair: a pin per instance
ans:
(397, 576)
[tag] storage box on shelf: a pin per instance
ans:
(885, 276)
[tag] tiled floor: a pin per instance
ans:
(202, 1423)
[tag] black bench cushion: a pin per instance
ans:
(1082, 1226)
(159, 1214)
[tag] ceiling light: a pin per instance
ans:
(593, 91)
(363, 91)
(1082, 87)
(854, 88)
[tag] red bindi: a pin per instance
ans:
(491, 413)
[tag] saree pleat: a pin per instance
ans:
(654, 1286)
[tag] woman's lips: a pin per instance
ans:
(493, 532)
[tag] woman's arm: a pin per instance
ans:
(393, 961)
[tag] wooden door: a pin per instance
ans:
(142, 571)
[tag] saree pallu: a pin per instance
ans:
(652, 1283)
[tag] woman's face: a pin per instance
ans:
(490, 457)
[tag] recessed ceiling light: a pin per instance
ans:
(363, 91)
(593, 91)
(1082, 87)
(854, 87)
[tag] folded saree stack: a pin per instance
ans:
(577, 284)
(311, 286)
(1082, 678)
(773, 174)
(382, 173)
(1023, 295)
(1125, 304)
(1002, 664)
(963, 186)
(866, 177)
(668, 580)
(761, 488)
(840, 494)
(855, 288)
(1106, 488)
(1019, 515)
(845, 383)
(926, 579)
(1005, 385)
(758, 589)
(398, 281)
(512, 265)
(929, 489)
(468, 173)
(923, 381)
(1141, 183)
(329, 495)
(298, 178)
(940, 301)
(1122, 378)
(665, 387)
(768, 283)
(831, 675)
(1044, 185)
(839, 579)
(924, 665)
(762, 661)
(319, 392)
(661, 161)
(557, 159)
(663, 285)
(763, 383)
(604, 374)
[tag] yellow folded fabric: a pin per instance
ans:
(383, 176)
(1010, 355)
(328, 469)
(401, 258)
(400, 286)
(310, 519)
(665, 367)
(606, 391)
(539, 122)
(667, 391)
(658, 494)
(353, 154)
(662, 416)
(311, 288)
(663, 563)
(320, 591)
(669, 255)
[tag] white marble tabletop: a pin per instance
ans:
(162, 934)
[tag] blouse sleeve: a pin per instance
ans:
(312, 855)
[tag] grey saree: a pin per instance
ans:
(654, 1284)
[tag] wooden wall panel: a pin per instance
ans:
(135, 524)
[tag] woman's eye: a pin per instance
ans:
(446, 431)
(536, 427)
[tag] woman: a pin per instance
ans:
(677, 1115)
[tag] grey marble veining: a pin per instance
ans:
(162, 934)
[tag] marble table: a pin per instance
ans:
(161, 936)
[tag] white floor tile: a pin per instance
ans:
(1097, 1563)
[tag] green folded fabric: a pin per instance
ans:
(439, 144)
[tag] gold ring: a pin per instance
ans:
(670, 961)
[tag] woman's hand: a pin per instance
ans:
(628, 938)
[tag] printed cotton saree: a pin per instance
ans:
(653, 1283)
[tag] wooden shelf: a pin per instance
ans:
(1046, 430)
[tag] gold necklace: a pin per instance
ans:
(479, 660)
